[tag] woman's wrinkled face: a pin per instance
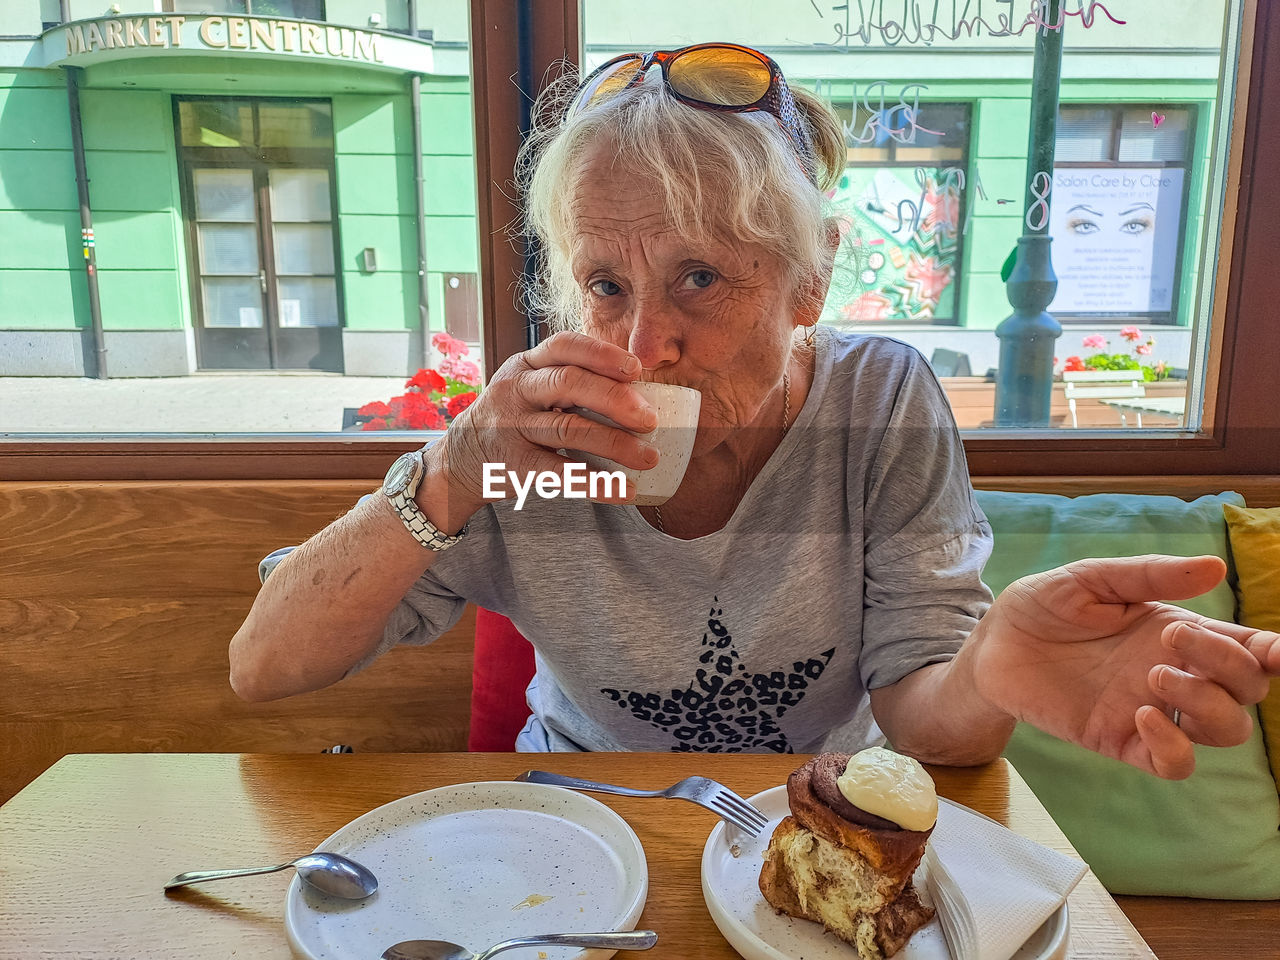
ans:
(713, 314)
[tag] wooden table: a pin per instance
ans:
(85, 849)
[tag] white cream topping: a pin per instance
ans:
(891, 786)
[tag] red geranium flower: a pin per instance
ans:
(421, 414)
(1074, 364)
(397, 406)
(425, 418)
(460, 403)
(427, 380)
(375, 408)
(379, 423)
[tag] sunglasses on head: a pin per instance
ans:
(709, 76)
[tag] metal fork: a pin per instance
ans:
(711, 794)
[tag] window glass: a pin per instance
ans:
(1084, 134)
(224, 195)
(903, 198)
(257, 213)
(302, 9)
(295, 126)
(216, 123)
(299, 195)
(938, 194)
(231, 303)
(206, 6)
(306, 302)
(228, 248)
(303, 248)
(1162, 134)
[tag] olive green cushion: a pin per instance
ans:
(1216, 834)
(1255, 551)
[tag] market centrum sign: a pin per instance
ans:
(224, 33)
(86, 43)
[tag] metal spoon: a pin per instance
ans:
(329, 873)
(444, 950)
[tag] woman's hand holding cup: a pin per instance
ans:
(525, 415)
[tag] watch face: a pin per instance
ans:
(398, 476)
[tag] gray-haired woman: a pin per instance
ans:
(815, 580)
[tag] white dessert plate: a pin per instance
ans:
(476, 863)
(730, 885)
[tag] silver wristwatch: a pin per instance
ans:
(400, 484)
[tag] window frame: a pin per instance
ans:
(1241, 435)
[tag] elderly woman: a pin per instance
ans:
(814, 584)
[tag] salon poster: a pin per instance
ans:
(1115, 238)
(905, 222)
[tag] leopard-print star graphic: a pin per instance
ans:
(726, 708)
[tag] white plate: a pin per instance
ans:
(476, 863)
(731, 888)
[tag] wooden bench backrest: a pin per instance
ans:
(117, 601)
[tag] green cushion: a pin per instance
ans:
(1216, 834)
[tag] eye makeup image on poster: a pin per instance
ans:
(1083, 220)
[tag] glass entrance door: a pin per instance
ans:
(301, 287)
(232, 330)
(264, 278)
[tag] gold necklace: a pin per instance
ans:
(786, 425)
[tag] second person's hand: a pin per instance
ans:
(1089, 653)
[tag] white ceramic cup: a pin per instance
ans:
(677, 409)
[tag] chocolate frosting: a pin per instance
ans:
(828, 767)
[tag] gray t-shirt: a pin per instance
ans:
(854, 558)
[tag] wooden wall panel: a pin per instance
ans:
(192, 538)
(118, 600)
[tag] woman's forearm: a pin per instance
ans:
(936, 714)
(324, 607)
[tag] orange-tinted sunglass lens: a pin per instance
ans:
(720, 75)
(609, 82)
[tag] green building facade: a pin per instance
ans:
(251, 175)
(168, 272)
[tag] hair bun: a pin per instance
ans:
(827, 133)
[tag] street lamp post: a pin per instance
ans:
(1024, 377)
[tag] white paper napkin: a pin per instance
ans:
(991, 887)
